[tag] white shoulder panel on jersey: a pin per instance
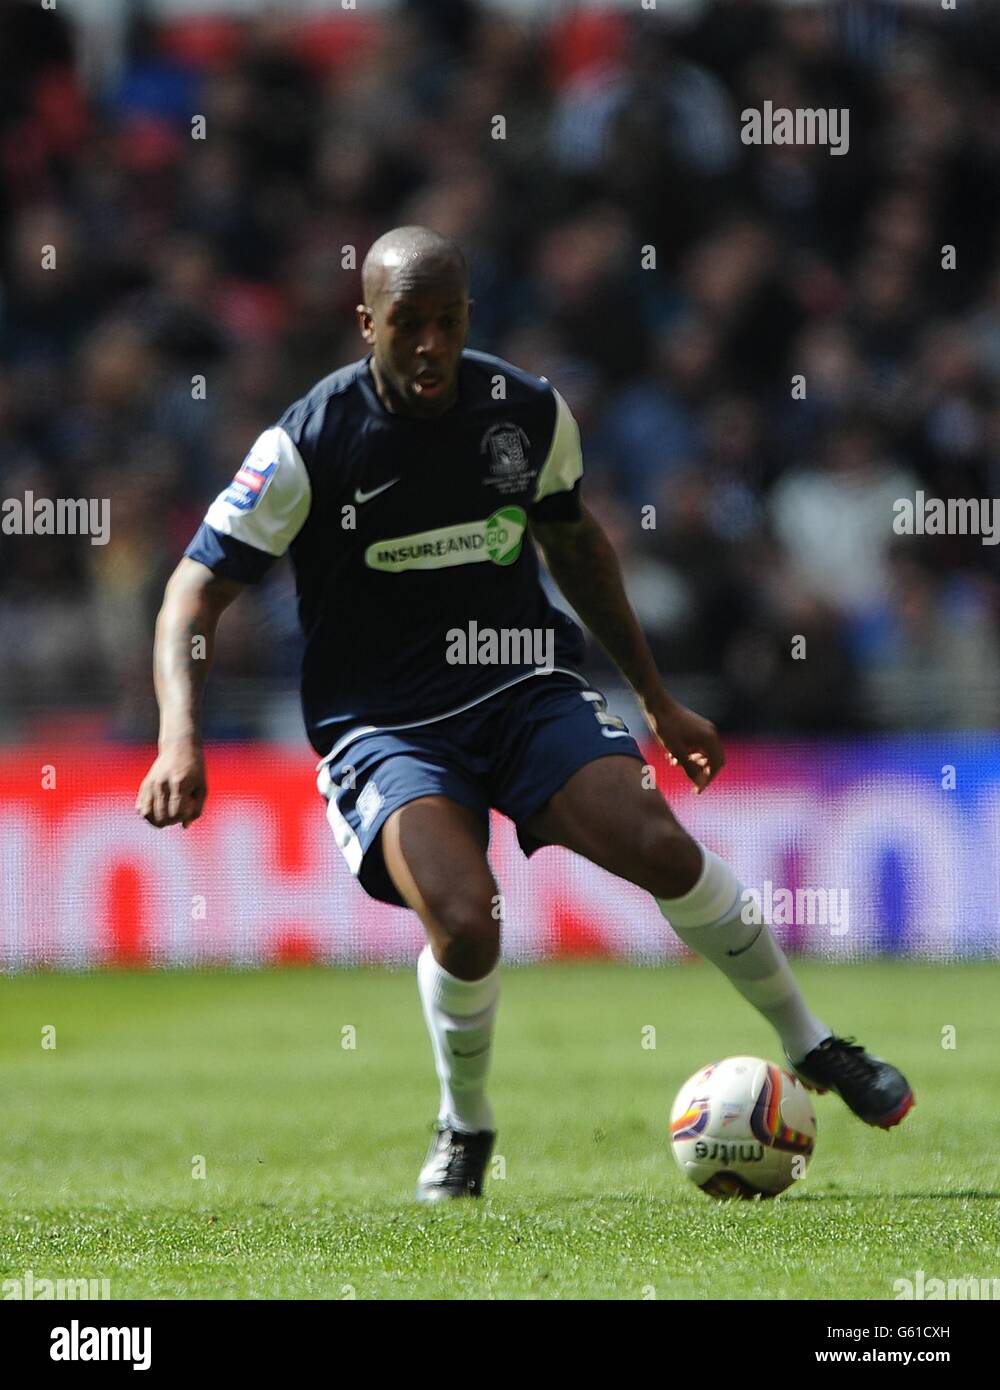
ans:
(564, 464)
(268, 501)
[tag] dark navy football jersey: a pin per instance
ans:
(402, 532)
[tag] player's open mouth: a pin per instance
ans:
(428, 384)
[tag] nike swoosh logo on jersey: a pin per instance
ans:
(360, 496)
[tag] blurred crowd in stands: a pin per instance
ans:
(222, 258)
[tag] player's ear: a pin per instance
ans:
(366, 325)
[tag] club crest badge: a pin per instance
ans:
(507, 445)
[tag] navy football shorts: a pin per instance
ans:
(512, 752)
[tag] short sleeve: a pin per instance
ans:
(253, 522)
(557, 490)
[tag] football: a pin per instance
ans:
(742, 1127)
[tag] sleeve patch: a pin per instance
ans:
(267, 502)
(250, 483)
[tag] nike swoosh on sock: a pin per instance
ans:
(748, 945)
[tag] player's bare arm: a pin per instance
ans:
(174, 789)
(583, 563)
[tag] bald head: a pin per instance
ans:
(415, 318)
(411, 257)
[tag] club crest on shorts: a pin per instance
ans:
(369, 803)
(508, 447)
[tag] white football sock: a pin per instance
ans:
(707, 919)
(460, 1015)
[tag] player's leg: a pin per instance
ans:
(413, 826)
(435, 853)
(605, 813)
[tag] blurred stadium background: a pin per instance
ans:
(870, 766)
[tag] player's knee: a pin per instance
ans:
(467, 931)
(671, 858)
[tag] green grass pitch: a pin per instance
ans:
(311, 1148)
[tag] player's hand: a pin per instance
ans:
(174, 788)
(691, 742)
